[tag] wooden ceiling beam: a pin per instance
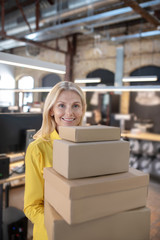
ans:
(13, 7)
(2, 16)
(37, 15)
(38, 44)
(138, 9)
(23, 14)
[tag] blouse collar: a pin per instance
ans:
(54, 135)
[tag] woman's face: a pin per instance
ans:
(67, 110)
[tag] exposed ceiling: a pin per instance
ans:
(26, 22)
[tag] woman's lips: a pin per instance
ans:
(68, 119)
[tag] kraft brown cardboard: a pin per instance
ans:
(128, 225)
(79, 160)
(92, 133)
(85, 199)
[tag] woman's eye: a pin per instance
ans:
(76, 106)
(61, 105)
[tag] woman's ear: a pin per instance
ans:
(51, 112)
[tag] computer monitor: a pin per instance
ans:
(122, 118)
(13, 129)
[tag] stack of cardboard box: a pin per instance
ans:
(91, 193)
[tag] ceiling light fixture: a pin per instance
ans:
(121, 89)
(94, 89)
(25, 62)
(88, 80)
(140, 79)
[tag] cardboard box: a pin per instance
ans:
(79, 160)
(128, 225)
(90, 133)
(86, 199)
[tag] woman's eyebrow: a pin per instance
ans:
(77, 102)
(65, 102)
(60, 102)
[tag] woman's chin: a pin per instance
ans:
(68, 124)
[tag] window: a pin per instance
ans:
(26, 82)
(6, 81)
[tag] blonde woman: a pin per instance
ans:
(65, 105)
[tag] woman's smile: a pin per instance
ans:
(68, 119)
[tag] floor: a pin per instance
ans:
(153, 202)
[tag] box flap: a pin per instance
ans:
(85, 187)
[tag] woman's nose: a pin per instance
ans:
(69, 111)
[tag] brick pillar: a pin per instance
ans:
(69, 58)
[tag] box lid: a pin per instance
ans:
(81, 188)
(89, 133)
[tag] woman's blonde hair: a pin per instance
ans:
(48, 122)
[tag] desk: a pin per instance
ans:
(141, 136)
(2, 181)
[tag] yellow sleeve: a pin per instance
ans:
(34, 191)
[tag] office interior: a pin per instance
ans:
(106, 41)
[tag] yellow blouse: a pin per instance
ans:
(38, 156)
